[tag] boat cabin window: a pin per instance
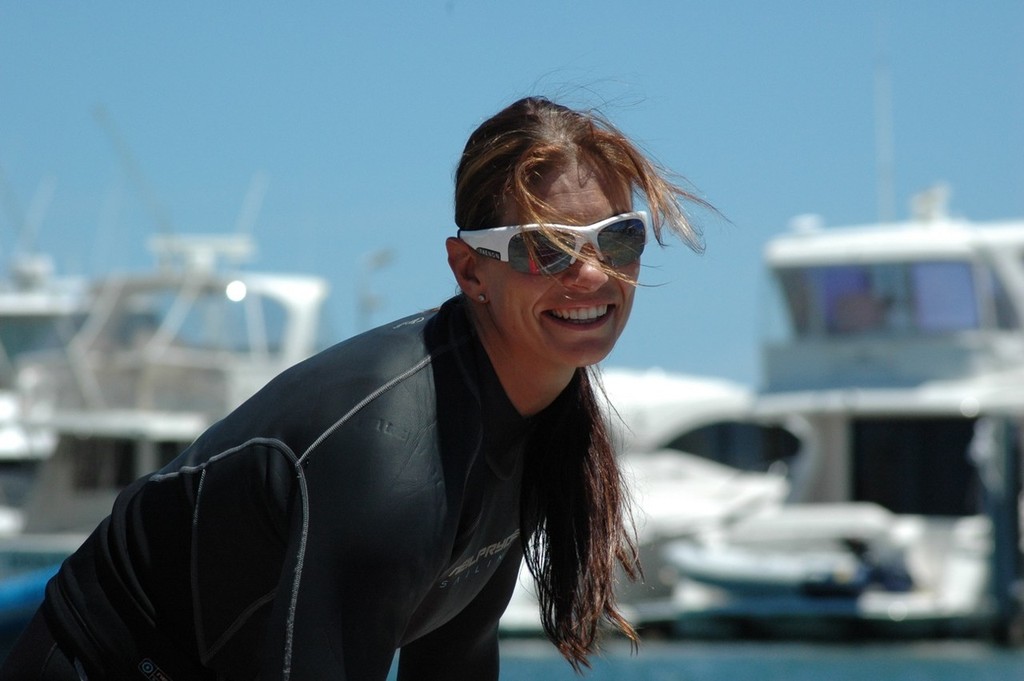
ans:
(743, 445)
(208, 320)
(909, 298)
(916, 465)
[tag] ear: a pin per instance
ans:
(465, 266)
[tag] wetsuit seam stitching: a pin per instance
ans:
(299, 565)
(268, 441)
(201, 468)
(363, 402)
(196, 604)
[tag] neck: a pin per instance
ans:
(528, 393)
(530, 386)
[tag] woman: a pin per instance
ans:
(377, 497)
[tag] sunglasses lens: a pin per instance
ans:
(622, 242)
(541, 256)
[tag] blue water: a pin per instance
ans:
(930, 661)
(703, 661)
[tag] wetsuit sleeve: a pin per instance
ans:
(466, 648)
(361, 552)
(334, 617)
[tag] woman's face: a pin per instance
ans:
(545, 326)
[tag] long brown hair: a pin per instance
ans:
(574, 508)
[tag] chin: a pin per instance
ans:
(591, 358)
(583, 352)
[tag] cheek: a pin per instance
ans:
(629, 286)
(628, 292)
(518, 296)
(627, 303)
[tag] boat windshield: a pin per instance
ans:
(888, 299)
(210, 319)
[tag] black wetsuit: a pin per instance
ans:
(365, 501)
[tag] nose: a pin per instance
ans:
(586, 274)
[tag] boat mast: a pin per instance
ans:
(884, 156)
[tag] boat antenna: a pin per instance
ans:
(28, 268)
(134, 170)
(10, 201)
(884, 155)
(252, 203)
(36, 212)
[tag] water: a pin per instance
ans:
(702, 661)
(532, 660)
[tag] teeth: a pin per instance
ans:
(582, 314)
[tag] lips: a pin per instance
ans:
(581, 315)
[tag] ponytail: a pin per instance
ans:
(576, 518)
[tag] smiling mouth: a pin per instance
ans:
(581, 315)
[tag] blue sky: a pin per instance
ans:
(355, 112)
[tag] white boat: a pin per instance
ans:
(159, 358)
(38, 311)
(900, 349)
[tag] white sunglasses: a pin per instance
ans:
(618, 241)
